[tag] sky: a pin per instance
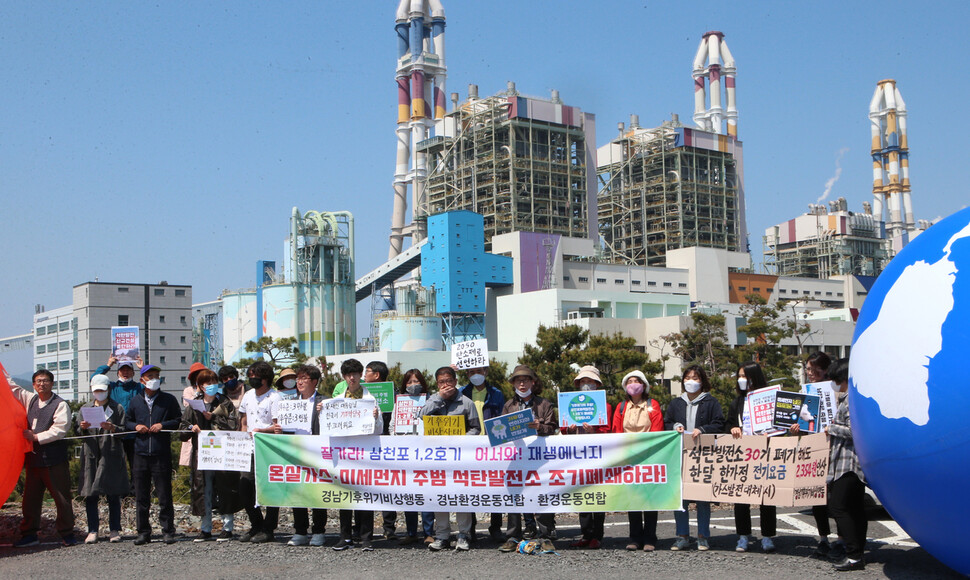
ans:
(144, 141)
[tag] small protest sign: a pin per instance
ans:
(787, 406)
(383, 392)
(510, 427)
(124, 343)
(444, 424)
(225, 451)
(761, 409)
(828, 401)
(579, 407)
(470, 354)
(295, 415)
(344, 417)
(407, 414)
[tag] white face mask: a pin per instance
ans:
(289, 383)
(743, 383)
(477, 379)
(587, 386)
(692, 386)
(153, 385)
(100, 395)
(525, 394)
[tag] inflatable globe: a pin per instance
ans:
(909, 389)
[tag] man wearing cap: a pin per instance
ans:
(148, 415)
(488, 400)
(48, 419)
(526, 387)
(122, 391)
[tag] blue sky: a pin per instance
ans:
(168, 141)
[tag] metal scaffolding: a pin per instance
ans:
(656, 196)
(521, 174)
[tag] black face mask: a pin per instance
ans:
(231, 384)
(255, 382)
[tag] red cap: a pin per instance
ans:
(196, 367)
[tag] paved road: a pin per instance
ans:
(891, 554)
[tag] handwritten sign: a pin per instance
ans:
(225, 451)
(345, 417)
(761, 409)
(511, 427)
(578, 407)
(828, 401)
(779, 471)
(124, 343)
(295, 415)
(470, 354)
(384, 393)
(444, 424)
(407, 414)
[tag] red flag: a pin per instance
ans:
(13, 421)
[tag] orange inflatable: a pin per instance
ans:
(13, 421)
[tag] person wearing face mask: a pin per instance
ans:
(749, 378)
(488, 400)
(103, 465)
(816, 371)
(203, 498)
(148, 415)
(256, 416)
(414, 384)
(376, 372)
(695, 412)
(590, 524)
(122, 391)
(189, 393)
(526, 386)
(639, 414)
(286, 384)
(232, 387)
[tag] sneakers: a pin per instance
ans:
(439, 545)
(224, 536)
(114, 537)
(317, 540)
(92, 538)
(462, 544)
(849, 565)
(27, 541)
(203, 537)
(742, 544)
(70, 540)
(168, 538)
(681, 544)
(428, 539)
(837, 552)
(367, 548)
(594, 544)
(343, 545)
(703, 545)
(510, 545)
(547, 546)
(142, 539)
(248, 536)
(299, 540)
(767, 545)
(263, 537)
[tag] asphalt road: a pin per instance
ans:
(890, 554)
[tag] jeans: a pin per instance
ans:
(228, 520)
(427, 524)
(94, 517)
(703, 520)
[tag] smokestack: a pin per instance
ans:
(472, 92)
(555, 96)
(511, 87)
(620, 128)
(634, 121)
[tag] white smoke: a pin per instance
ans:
(834, 178)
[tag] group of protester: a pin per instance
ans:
(147, 416)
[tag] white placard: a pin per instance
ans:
(828, 401)
(295, 415)
(407, 414)
(470, 354)
(225, 451)
(761, 408)
(94, 415)
(341, 417)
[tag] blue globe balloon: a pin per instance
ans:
(909, 389)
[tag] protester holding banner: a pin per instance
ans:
(413, 384)
(376, 372)
(527, 386)
(103, 465)
(256, 416)
(489, 401)
(749, 378)
(201, 415)
(307, 380)
(846, 482)
(148, 416)
(816, 370)
(695, 412)
(449, 401)
(352, 520)
(639, 414)
(590, 524)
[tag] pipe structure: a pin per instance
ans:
(420, 77)
(708, 86)
(890, 159)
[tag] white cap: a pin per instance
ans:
(99, 383)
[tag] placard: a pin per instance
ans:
(828, 401)
(225, 451)
(787, 407)
(756, 469)
(383, 393)
(761, 409)
(578, 407)
(444, 424)
(124, 343)
(295, 415)
(470, 354)
(407, 414)
(345, 417)
(511, 427)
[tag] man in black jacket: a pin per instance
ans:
(148, 415)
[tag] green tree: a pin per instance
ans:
(704, 343)
(279, 352)
(553, 352)
(766, 328)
